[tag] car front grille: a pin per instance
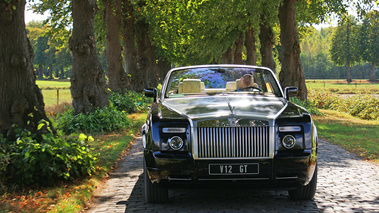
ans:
(233, 142)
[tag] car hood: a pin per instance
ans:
(197, 108)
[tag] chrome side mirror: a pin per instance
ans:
(290, 92)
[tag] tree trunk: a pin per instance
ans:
(40, 71)
(238, 51)
(267, 40)
(251, 49)
(227, 57)
(87, 78)
(146, 57)
(51, 71)
(116, 73)
(141, 79)
(62, 73)
(291, 73)
(163, 67)
(130, 51)
(372, 71)
(21, 99)
(348, 76)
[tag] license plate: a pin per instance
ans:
(234, 169)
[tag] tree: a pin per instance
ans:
(87, 79)
(40, 55)
(115, 71)
(369, 40)
(21, 99)
(291, 73)
(344, 48)
(267, 37)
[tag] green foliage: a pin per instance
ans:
(130, 102)
(44, 159)
(344, 47)
(306, 104)
(100, 120)
(364, 107)
(369, 37)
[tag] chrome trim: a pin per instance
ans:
(287, 178)
(233, 142)
(289, 129)
(174, 130)
(179, 179)
(232, 179)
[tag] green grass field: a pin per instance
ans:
(354, 134)
(50, 94)
(51, 84)
(340, 86)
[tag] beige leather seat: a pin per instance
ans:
(191, 86)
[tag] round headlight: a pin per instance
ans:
(175, 143)
(289, 141)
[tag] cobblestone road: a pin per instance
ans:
(345, 184)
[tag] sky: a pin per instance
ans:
(30, 16)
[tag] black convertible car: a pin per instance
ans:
(227, 125)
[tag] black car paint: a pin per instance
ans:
(182, 169)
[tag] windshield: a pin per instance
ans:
(206, 81)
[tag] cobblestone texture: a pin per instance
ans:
(345, 184)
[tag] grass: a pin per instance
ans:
(50, 97)
(354, 134)
(74, 196)
(50, 94)
(53, 83)
(340, 86)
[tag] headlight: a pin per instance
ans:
(289, 141)
(175, 143)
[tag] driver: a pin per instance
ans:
(247, 80)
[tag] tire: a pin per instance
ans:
(154, 192)
(305, 192)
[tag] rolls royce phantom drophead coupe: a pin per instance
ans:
(227, 125)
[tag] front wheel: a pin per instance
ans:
(305, 192)
(154, 192)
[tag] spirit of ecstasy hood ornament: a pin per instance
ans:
(231, 108)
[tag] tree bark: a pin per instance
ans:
(227, 57)
(62, 73)
(130, 50)
(146, 58)
(88, 88)
(116, 73)
(267, 40)
(291, 73)
(372, 71)
(40, 71)
(251, 49)
(21, 99)
(348, 76)
(238, 51)
(163, 67)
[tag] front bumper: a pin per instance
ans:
(180, 169)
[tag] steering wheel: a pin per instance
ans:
(252, 87)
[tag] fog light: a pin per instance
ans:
(175, 143)
(289, 141)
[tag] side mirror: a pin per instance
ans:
(290, 92)
(152, 93)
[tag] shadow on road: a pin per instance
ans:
(217, 200)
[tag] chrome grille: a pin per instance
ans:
(233, 142)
